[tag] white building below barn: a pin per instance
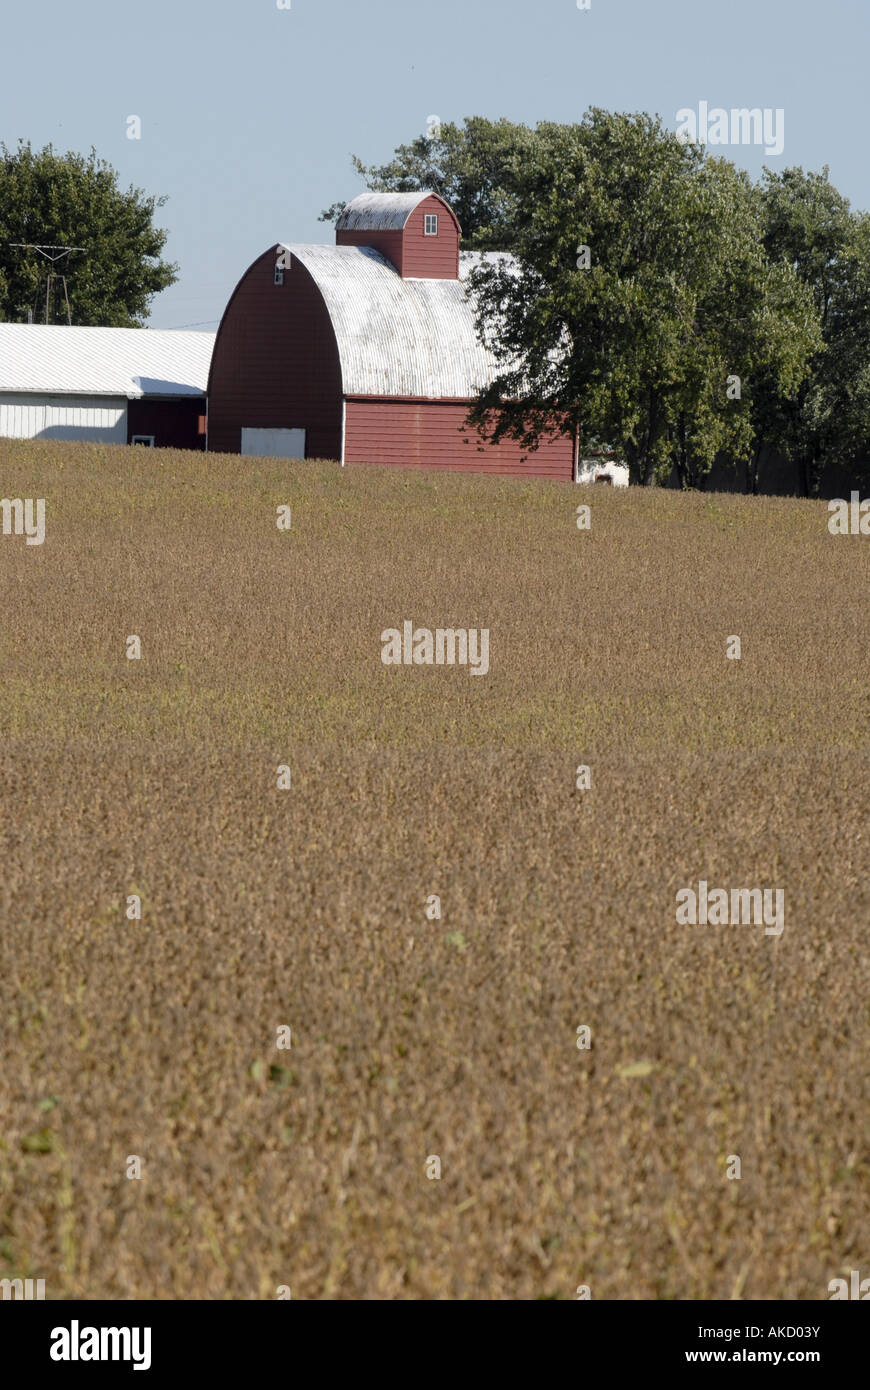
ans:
(604, 469)
(106, 385)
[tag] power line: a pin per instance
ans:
(200, 324)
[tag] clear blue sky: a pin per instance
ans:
(250, 113)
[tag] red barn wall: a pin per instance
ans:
(174, 424)
(433, 434)
(388, 243)
(431, 257)
(275, 362)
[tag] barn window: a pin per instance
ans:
(279, 275)
(146, 439)
(431, 224)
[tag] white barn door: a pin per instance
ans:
(275, 444)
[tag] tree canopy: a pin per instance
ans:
(809, 227)
(55, 200)
(643, 301)
(470, 166)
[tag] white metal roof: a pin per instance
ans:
(131, 362)
(379, 212)
(399, 337)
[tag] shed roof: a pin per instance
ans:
(131, 362)
(381, 212)
(399, 337)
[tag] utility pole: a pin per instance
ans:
(43, 250)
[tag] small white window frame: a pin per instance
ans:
(431, 225)
(146, 439)
(279, 275)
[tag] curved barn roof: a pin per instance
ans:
(399, 337)
(382, 212)
(131, 362)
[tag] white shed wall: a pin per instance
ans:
(88, 419)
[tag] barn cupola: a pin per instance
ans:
(418, 232)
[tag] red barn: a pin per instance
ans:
(365, 351)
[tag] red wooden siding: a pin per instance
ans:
(415, 255)
(433, 434)
(275, 362)
(174, 424)
(431, 257)
(388, 243)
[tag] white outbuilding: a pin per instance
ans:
(111, 385)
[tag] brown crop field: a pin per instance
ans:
(415, 1038)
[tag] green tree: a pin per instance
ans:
(632, 342)
(472, 166)
(70, 200)
(750, 323)
(810, 228)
